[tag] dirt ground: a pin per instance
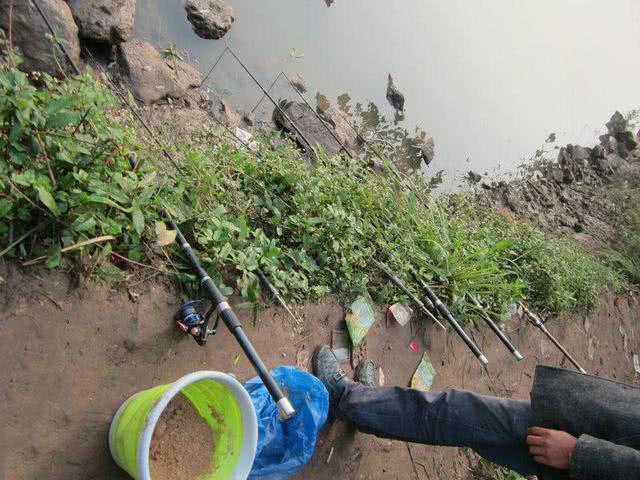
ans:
(71, 356)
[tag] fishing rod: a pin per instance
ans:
(276, 294)
(540, 324)
(499, 333)
(398, 283)
(224, 311)
(55, 37)
(444, 311)
(313, 111)
(268, 95)
(222, 308)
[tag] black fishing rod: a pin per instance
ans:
(540, 324)
(224, 310)
(499, 333)
(398, 283)
(285, 409)
(268, 95)
(444, 311)
(276, 294)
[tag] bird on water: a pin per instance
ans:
(396, 99)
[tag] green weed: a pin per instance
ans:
(315, 229)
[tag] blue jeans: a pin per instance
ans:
(495, 428)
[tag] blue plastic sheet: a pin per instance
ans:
(285, 447)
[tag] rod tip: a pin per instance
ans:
(483, 360)
(518, 355)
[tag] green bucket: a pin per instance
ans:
(233, 426)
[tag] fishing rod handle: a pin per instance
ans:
(564, 351)
(499, 333)
(442, 308)
(540, 324)
(224, 310)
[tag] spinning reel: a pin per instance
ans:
(192, 319)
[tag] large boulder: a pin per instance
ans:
(151, 77)
(210, 19)
(33, 39)
(619, 140)
(342, 127)
(106, 21)
(314, 130)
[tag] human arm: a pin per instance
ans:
(595, 459)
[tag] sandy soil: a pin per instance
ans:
(181, 443)
(70, 357)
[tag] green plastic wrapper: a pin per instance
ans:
(360, 319)
(424, 375)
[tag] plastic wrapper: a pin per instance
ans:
(285, 447)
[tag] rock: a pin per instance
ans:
(614, 161)
(299, 84)
(598, 152)
(557, 175)
(315, 131)
(105, 21)
(151, 77)
(210, 19)
(427, 150)
(394, 96)
(33, 39)
(579, 153)
(342, 126)
(376, 166)
(626, 143)
(220, 111)
(474, 177)
(617, 124)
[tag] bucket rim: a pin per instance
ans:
(235, 387)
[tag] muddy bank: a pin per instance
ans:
(72, 356)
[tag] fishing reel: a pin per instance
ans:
(193, 320)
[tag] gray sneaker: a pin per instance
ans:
(327, 369)
(366, 374)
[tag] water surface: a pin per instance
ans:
(489, 79)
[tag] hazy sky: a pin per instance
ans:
(489, 79)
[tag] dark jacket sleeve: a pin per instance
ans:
(595, 459)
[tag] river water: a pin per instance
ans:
(489, 79)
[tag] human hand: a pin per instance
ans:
(551, 447)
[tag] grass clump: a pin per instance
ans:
(314, 228)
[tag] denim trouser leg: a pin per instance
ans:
(495, 428)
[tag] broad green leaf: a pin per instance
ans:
(107, 201)
(5, 206)
(83, 223)
(138, 221)
(26, 179)
(46, 198)
(108, 271)
(165, 237)
(59, 104)
(54, 257)
(225, 251)
(253, 291)
(62, 119)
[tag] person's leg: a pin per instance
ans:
(495, 428)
